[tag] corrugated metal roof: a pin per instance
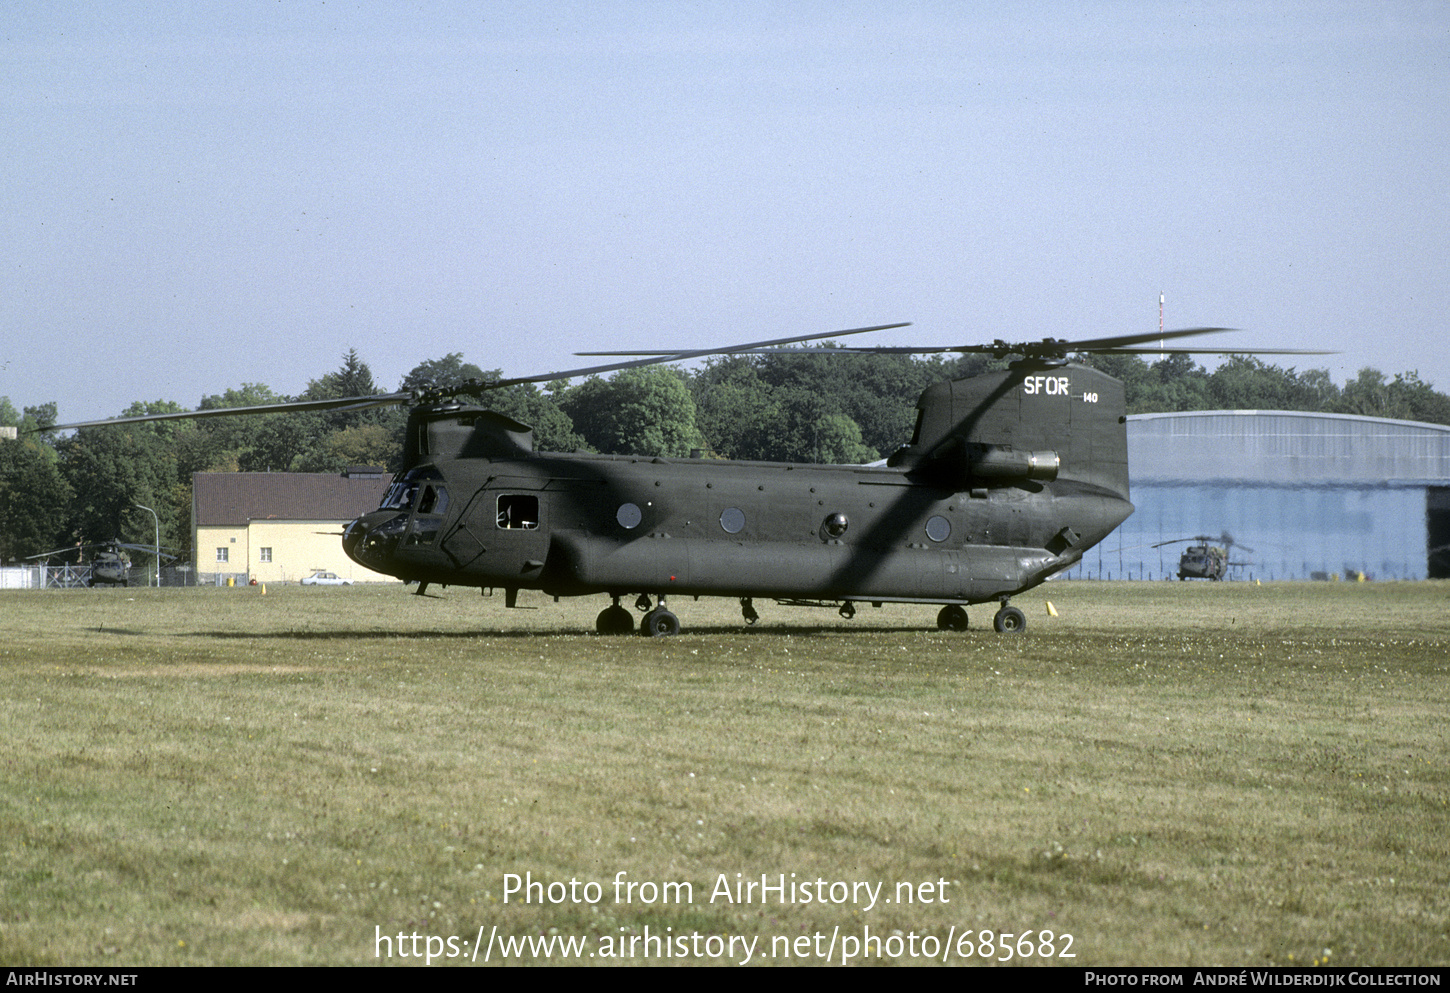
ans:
(1281, 447)
(231, 499)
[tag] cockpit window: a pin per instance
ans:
(399, 496)
(435, 500)
(405, 488)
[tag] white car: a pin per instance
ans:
(320, 578)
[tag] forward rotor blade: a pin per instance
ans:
(657, 357)
(293, 407)
(475, 388)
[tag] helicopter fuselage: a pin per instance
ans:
(1010, 478)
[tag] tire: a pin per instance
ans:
(614, 620)
(953, 617)
(1010, 620)
(659, 623)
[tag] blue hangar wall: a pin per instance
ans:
(1313, 495)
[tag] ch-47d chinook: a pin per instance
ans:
(1009, 478)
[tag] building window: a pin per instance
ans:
(266, 555)
(221, 554)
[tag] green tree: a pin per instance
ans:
(524, 402)
(34, 499)
(249, 443)
(792, 405)
(540, 409)
(1243, 382)
(110, 470)
(353, 379)
(737, 413)
(838, 442)
(643, 411)
(317, 452)
(361, 444)
(449, 371)
(1420, 402)
(1371, 395)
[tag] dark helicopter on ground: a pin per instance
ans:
(110, 564)
(1009, 478)
(1204, 560)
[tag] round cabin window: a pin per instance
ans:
(938, 528)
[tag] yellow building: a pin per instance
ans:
(280, 527)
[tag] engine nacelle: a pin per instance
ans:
(1005, 463)
(962, 464)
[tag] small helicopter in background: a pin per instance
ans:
(1205, 560)
(110, 565)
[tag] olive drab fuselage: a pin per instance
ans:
(1009, 478)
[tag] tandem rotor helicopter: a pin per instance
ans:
(1009, 478)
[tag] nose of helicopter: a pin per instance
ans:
(371, 539)
(352, 535)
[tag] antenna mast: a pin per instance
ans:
(1160, 325)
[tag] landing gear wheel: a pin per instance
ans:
(848, 610)
(953, 617)
(659, 623)
(614, 620)
(1009, 620)
(747, 611)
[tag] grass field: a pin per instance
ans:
(1170, 773)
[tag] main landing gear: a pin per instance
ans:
(614, 620)
(953, 617)
(1007, 620)
(657, 622)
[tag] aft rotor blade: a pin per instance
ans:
(1118, 345)
(1048, 344)
(1212, 351)
(1053, 346)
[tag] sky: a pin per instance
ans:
(194, 197)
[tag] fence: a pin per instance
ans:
(65, 577)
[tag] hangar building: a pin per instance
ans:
(1315, 496)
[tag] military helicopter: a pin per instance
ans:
(1009, 478)
(110, 565)
(1206, 561)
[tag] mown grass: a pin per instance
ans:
(1171, 773)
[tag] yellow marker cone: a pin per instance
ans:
(1051, 610)
(264, 589)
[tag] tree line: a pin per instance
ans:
(790, 405)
